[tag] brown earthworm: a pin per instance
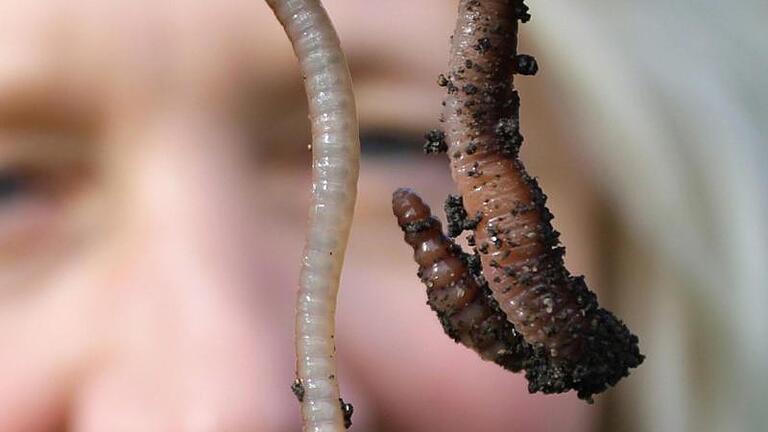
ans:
(459, 296)
(577, 344)
(336, 158)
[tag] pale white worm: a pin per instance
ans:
(336, 160)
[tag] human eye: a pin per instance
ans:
(390, 142)
(13, 186)
(40, 177)
(24, 199)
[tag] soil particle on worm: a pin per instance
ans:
(572, 342)
(435, 141)
(346, 411)
(457, 218)
(298, 389)
(521, 12)
(526, 64)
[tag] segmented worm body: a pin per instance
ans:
(458, 295)
(575, 344)
(336, 155)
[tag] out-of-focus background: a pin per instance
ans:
(154, 181)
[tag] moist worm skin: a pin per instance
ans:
(577, 344)
(461, 299)
(335, 164)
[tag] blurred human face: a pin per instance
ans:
(153, 185)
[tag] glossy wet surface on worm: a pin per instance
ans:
(458, 295)
(575, 344)
(335, 166)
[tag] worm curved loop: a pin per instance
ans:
(580, 346)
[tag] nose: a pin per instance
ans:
(192, 341)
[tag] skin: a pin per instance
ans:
(148, 267)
